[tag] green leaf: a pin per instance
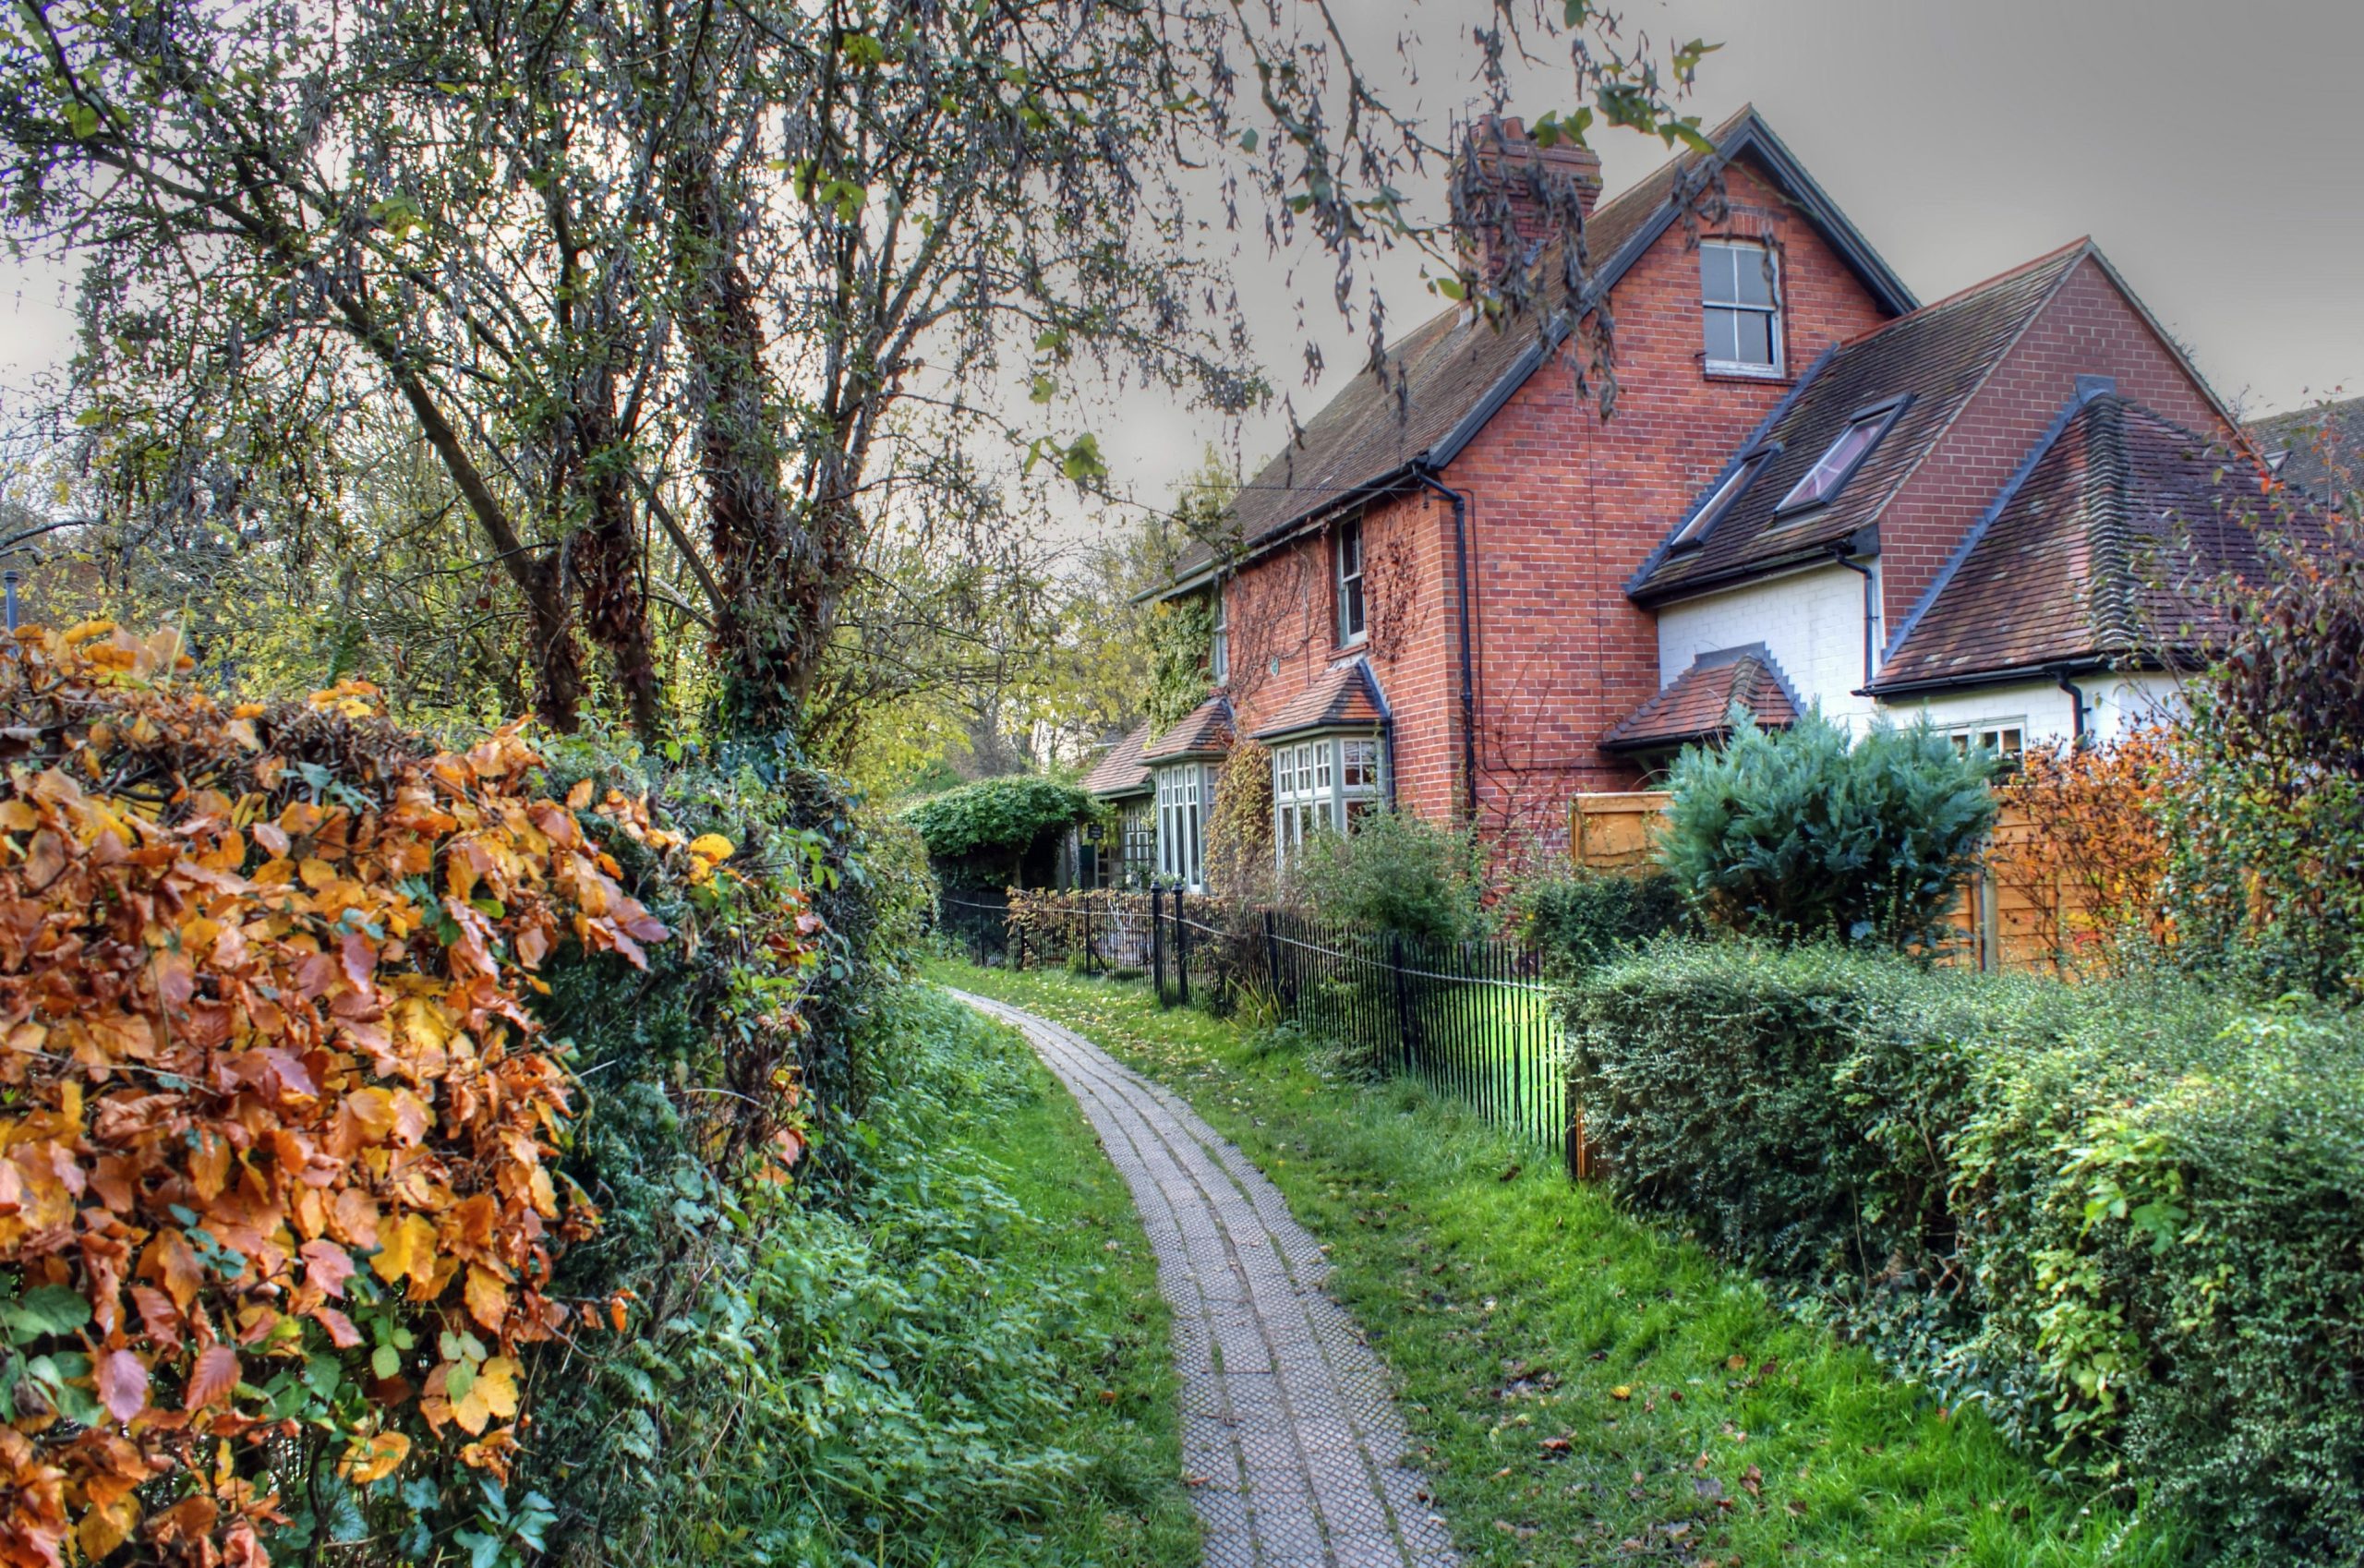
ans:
(1083, 460)
(83, 119)
(385, 1362)
(1247, 139)
(47, 1310)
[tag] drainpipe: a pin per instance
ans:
(1460, 499)
(1841, 553)
(2076, 704)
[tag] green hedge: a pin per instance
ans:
(2126, 1217)
(1583, 919)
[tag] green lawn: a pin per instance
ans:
(1586, 1389)
(1133, 1509)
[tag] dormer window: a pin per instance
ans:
(1838, 464)
(1722, 501)
(1739, 302)
(1349, 564)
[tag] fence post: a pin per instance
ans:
(1272, 955)
(1182, 949)
(1157, 942)
(1402, 998)
(1087, 934)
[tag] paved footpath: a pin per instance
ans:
(1289, 1429)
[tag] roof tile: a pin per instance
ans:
(1345, 696)
(2105, 551)
(1699, 705)
(1121, 771)
(1938, 356)
(1205, 731)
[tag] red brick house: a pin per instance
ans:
(1465, 591)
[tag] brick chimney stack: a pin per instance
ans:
(1505, 183)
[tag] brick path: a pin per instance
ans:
(1287, 1414)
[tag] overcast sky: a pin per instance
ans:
(2211, 149)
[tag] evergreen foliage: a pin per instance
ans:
(1803, 834)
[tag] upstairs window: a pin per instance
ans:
(1722, 501)
(1349, 552)
(1741, 307)
(1219, 651)
(1832, 469)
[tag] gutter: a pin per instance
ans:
(1469, 659)
(2018, 674)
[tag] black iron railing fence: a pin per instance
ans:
(1474, 1019)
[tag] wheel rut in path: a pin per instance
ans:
(1290, 1427)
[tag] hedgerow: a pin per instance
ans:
(2121, 1214)
(285, 1218)
(988, 826)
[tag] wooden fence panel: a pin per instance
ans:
(2002, 920)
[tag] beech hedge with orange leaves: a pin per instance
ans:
(284, 1135)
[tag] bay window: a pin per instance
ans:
(1184, 797)
(1323, 785)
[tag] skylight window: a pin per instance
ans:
(1832, 469)
(1722, 501)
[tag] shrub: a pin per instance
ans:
(1394, 873)
(1582, 919)
(2267, 816)
(987, 828)
(287, 1230)
(1798, 834)
(2121, 1214)
(2088, 855)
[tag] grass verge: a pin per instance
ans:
(1584, 1388)
(1128, 1507)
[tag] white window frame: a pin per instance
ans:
(1219, 649)
(2007, 738)
(1185, 795)
(1770, 261)
(1323, 784)
(1347, 582)
(1834, 470)
(1720, 503)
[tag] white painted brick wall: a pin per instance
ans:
(1812, 623)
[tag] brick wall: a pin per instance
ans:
(1566, 504)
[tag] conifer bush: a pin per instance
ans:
(1805, 833)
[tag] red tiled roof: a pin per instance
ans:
(1699, 705)
(1205, 731)
(2105, 551)
(1121, 772)
(1938, 356)
(1342, 697)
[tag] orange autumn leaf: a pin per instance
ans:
(212, 1378)
(259, 1034)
